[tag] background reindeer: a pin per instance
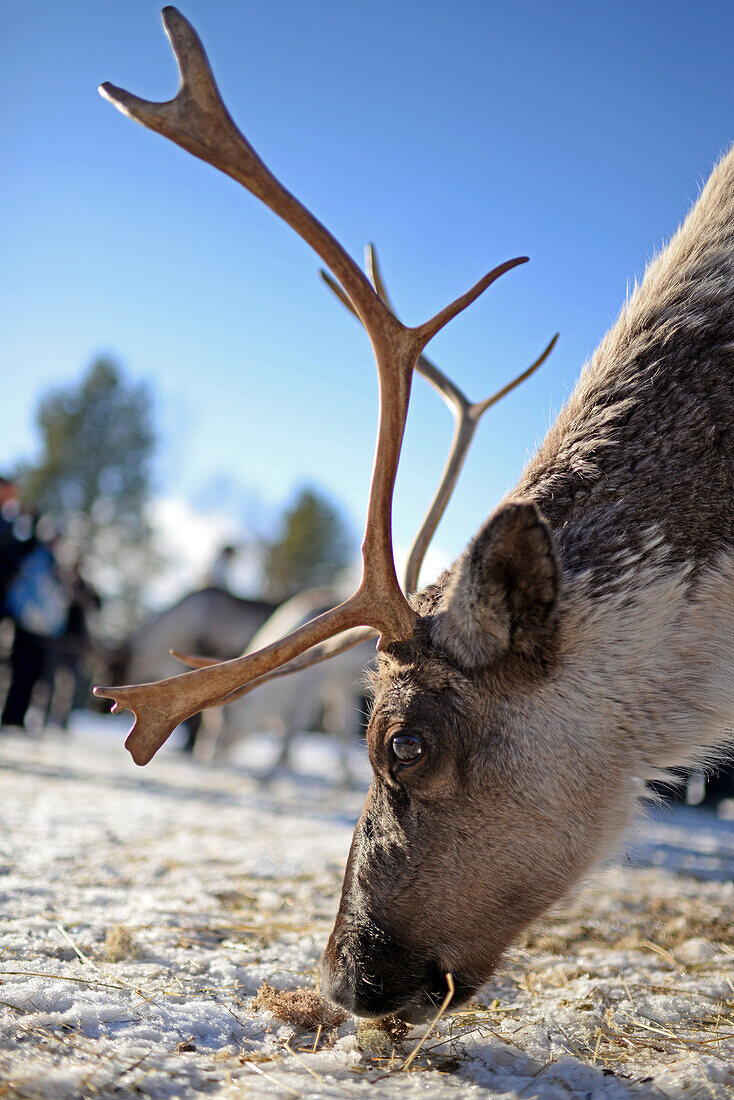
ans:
(328, 696)
(210, 620)
(584, 640)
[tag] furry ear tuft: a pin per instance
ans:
(503, 590)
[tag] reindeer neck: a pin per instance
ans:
(643, 453)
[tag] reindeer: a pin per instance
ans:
(210, 619)
(583, 640)
(328, 696)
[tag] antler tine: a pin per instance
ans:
(480, 407)
(429, 329)
(160, 707)
(197, 120)
(467, 418)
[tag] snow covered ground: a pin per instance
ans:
(142, 909)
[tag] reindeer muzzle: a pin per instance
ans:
(374, 976)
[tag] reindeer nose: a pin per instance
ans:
(372, 975)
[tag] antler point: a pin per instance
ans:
(108, 693)
(139, 758)
(170, 12)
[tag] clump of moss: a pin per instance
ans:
(302, 1007)
(379, 1038)
(119, 944)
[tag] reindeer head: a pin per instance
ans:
(480, 814)
(437, 880)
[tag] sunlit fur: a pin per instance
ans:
(583, 640)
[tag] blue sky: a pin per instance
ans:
(455, 135)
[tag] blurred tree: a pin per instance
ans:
(93, 478)
(314, 544)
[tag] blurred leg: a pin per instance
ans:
(26, 663)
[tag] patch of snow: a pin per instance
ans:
(142, 909)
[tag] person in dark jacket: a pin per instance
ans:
(38, 604)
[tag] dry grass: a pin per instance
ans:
(659, 921)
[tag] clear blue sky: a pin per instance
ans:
(454, 134)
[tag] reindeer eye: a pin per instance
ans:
(407, 747)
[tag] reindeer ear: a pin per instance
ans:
(503, 590)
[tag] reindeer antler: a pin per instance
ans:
(466, 418)
(197, 120)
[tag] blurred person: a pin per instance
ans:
(8, 495)
(12, 548)
(8, 501)
(219, 574)
(38, 604)
(71, 650)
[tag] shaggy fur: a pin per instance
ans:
(583, 640)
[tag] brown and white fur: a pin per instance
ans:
(583, 640)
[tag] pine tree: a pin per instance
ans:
(314, 544)
(93, 477)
